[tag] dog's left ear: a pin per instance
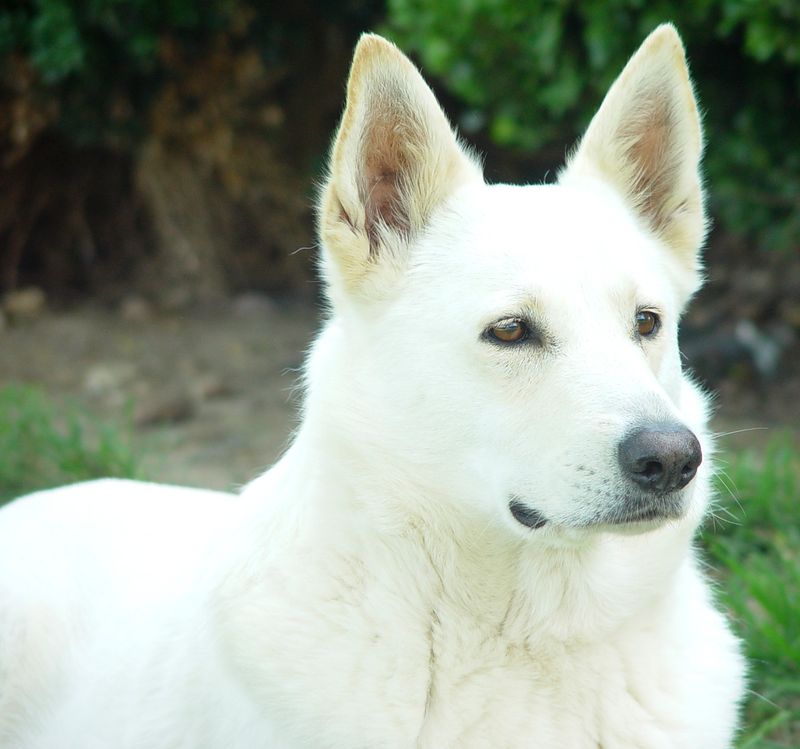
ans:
(646, 142)
(394, 160)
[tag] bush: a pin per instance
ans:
(100, 58)
(532, 74)
(103, 61)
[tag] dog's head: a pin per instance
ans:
(514, 349)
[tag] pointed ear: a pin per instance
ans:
(646, 142)
(393, 161)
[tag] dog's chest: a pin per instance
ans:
(487, 688)
(371, 667)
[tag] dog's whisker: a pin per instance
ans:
(740, 431)
(729, 484)
(761, 697)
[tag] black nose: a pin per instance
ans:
(660, 458)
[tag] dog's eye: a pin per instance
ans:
(510, 330)
(647, 323)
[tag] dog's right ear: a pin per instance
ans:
(394, 159)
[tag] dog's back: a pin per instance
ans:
(92, 576)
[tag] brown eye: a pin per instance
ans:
(647, 323)
(511, 330)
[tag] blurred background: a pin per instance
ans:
(158, 164)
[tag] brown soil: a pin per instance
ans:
(211, 394)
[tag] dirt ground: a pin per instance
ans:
(212, 393)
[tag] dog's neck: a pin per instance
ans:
(335, 503)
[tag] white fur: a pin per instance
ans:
(373, 589)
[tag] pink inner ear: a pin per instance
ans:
(652, 154)
(383, 206)
(384, 174)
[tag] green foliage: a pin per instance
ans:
(103, 61)
(41, 446)
(532, 74)
(757, 544)
(95, 54)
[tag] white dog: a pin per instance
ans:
(482, 533)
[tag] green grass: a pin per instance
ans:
(752, 542)
(44, 445)
(754, 545)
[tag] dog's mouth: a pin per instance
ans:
(653, 513)
(525, 515)
(631, 514)
(668, 507)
